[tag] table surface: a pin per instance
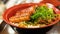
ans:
(54, 30)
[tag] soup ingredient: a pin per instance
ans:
(43, 14)
(22, 15)
(41, 17)
(34, 16)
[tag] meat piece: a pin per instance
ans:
(14, 19)
(28, 11)
(23, 15)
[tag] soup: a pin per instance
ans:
(34, 17)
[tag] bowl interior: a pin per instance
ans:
(11, 11)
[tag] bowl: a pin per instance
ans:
(54, 2)
(11, 11)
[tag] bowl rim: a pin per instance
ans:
(6, 12)
(54, 2)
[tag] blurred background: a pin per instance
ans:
(5, 4)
